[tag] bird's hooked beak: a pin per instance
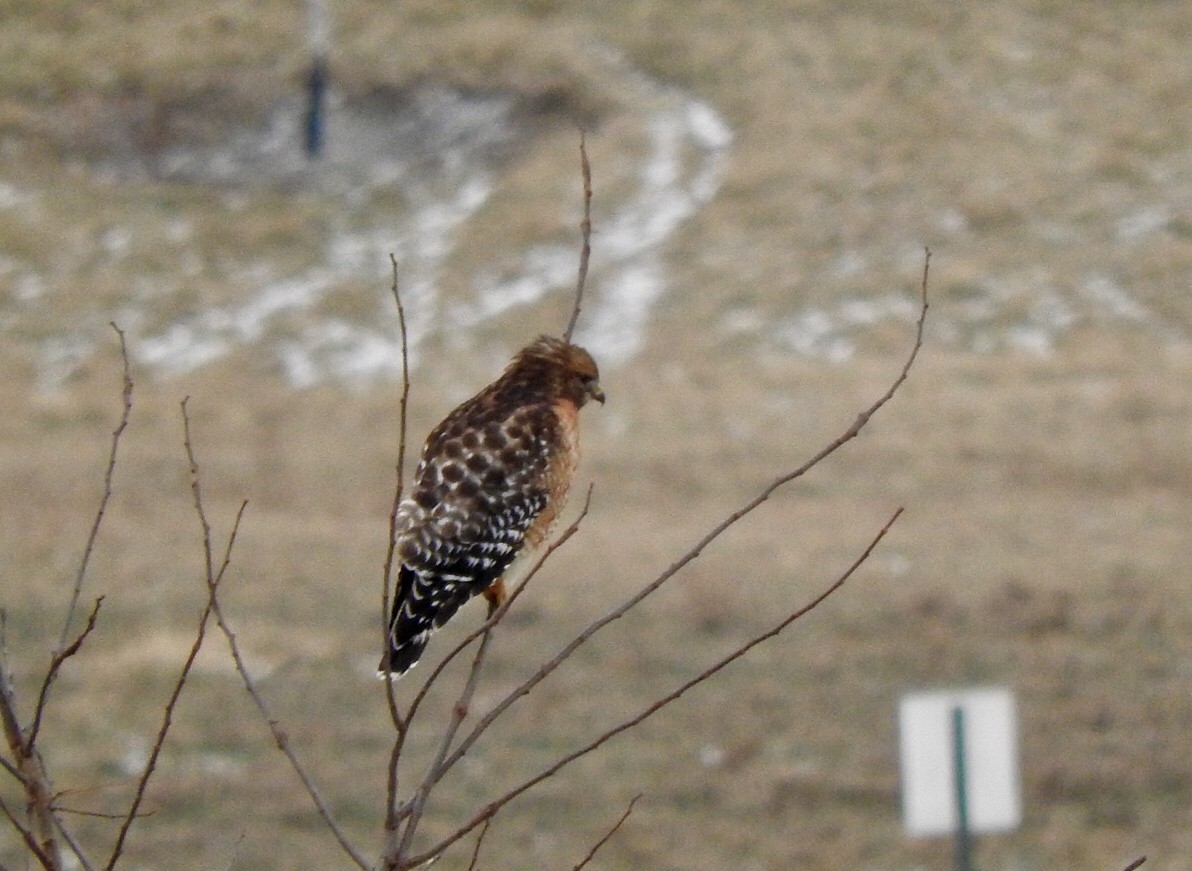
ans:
(593, 390)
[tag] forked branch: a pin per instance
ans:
(607, 835)
(56, 660)
(213, 580)
(214, 574)
(396, 854)
(719, 529)
(494, 806)
(411, 811)
(44, 831)
(85, 561)
(850, 433)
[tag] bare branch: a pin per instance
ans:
(213, 579)
(399, 488)
(412, 810)
(9, 718)
(387, 573)
(849, 434)
(492, 807)
(586, 231)
(79, 812)
(168, 715)
(434, 773)
(28, 837)
(126, 397)
(282, 740)
(607, 835)
(391, 819)
(56, 661)
(479, 840)
(719, 529)
(214, 576)
(75, 846)
(31, 772)
(12, 725)
(196, 490)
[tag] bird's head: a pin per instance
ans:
(578, 371)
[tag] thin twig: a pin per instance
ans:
(31, 772)
(27, 836)
(434, 773)
(126, 397)
(75, 846)
(1135, 864)
(389, 847)
(56, 660)
(412, 809)
(168, 715)
(196, 493)
(608, 834)
(719, 529)
(101, 815)
(479, 840)
(693, 553)
(9, 718)
(390, 552)
(651, 709)
(280, 738)
(213, 577)
(586, 231)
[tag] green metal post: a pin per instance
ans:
(964, 845)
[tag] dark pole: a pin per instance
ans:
(319, 39)
(964, 845)
(316, 90)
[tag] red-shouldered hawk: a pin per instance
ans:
(492, 478)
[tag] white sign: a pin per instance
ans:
(927, 751)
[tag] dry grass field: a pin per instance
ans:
(766, 175)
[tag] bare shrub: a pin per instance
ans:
(42, 825)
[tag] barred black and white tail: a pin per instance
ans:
(423, 603)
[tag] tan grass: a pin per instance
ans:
(1046, 540)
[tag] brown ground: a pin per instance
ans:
(1041, 149)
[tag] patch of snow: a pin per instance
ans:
(12, 196)
(683, 169)
(1112, 301)
(1030, 315)
(681, 130)
(1142, 222)
(830, 334)
(29, 286)
(330, 347)
(61, 357)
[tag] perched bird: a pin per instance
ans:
(492, 478)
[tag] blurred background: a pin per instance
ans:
(766, 177)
